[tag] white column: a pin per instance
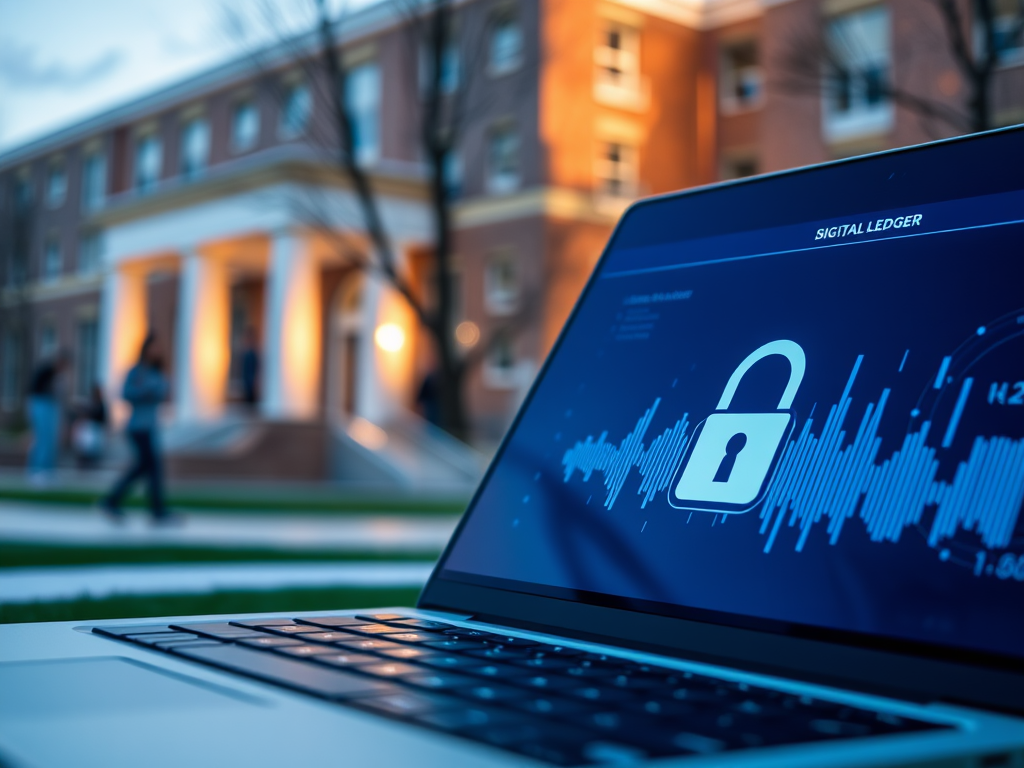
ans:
(386, 367)
(292, 347)
(202, 343)
(123, 326)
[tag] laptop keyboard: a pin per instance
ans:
(549, 702)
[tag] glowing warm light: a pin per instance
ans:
(389, 337)
(467, 333)
(366, 433)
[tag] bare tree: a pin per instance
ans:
(973, 34)
(443, 106)
(15, 299)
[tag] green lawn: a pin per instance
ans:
(248, 500)
(294, 600)
(17, 555)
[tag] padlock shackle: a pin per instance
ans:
(797, 365)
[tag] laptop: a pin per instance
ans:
(762, 507)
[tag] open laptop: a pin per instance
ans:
(762, 507)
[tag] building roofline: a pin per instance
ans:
(370, 20)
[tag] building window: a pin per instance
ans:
(500, 364)
(453, 174)
(506, 49)
(245, 126)
(741, 76)
(856, 99)
(503, 160)
(195, 147)
(53, 259)
(618, 57)
(94, 181)
(450, 68)
(12, 374)
(501, 282)
(56, 185)
(47, 342)
(85, 358)
(295, 110)
(362, 100)
(617, 169)
(149, 159)
(90, 254)
(1008, 29)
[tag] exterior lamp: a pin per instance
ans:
(467, 333)
(389, 337)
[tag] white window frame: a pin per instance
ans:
(86, 350)
(252, 108)
(496, 374)
(732, 76)
(56, 184)
(363, 102)
(626, 171)
(194, 140)
(290, 125)
(861, 118)
(513, 59)
(618, 81)
(146, 179)
(501, 282)
(90, 253)
(94, 181)
(501, 181)
(53, 259)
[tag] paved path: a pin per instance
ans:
(55, 524)
(21, 585)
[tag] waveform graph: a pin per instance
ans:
(655, 463)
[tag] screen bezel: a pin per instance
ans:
(884, 665)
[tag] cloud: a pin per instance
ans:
(20, 68)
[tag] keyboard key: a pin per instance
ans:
(377, 629)
(291, 673)
(184, 647)
(410, 703)
(369, 644)
(600, 694)
(391, 669)
(133, 631)
(426, 625)
(467, 717)
(183, 638)
(455, 645)
(220, 629)
(518, 642)
(551, 705)
(442, 661)
(292, 629)
(330, 622)
(500, 671)
(410, 653)
(305, 650)
(464, 633)
(156, 637)
(325, 637)
(347, 659)
(497, 653)
(269, 641)
(545, 682)
(375, 617)
(545, 663)
(489, 692)
(258, 623)
(412, 637)
(437, 680)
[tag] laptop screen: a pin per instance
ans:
(805, 424)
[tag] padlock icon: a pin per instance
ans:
(731, 458)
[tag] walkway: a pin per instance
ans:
(52, 584)
(348, 532)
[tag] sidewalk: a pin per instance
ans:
(52, 584)
(56, 524)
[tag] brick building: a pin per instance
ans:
(178, 212)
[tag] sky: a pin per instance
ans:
(63, 61)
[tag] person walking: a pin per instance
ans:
(145, 388)
(44, 416)
(89, 431)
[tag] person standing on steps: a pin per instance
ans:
(145, 388)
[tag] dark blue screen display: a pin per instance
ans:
(819, 424)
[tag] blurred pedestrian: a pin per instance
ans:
(250, 368)
(145, 388)
(89, 432)
(44, 417)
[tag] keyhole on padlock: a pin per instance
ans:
(732, 449)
